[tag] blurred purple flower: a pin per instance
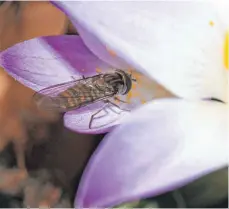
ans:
(166, 143)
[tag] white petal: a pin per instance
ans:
(180, 44)
(160, 147)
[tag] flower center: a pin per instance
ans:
(226, 50)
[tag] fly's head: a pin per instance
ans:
(119, 81)
(126, 82)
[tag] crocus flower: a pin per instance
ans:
(162, 146)
(165, 143)
(46, 61)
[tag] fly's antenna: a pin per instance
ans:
(133, 79)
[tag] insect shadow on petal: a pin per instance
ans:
(76, 94)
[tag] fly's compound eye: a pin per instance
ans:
(127, 83)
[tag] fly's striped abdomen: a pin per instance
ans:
(70, 98)
(75, 94)
(81, 95)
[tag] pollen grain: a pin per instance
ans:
(211, 23)
(111, 52)
(98, 70)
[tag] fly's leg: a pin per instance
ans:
(108, 101)
(74, 78)
(117, 99)
(92, 117)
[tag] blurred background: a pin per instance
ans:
(55, 156)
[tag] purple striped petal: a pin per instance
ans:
(46, 61)
(143, 90)
(78, 120)
(161, 146)
(162, 39)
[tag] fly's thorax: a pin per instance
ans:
(102, 83)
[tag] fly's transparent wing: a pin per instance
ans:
(71, 95)
(54, 90)
(46, 98)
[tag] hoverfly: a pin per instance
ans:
(75, 94)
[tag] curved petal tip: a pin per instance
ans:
(161, 146)
(50, 60)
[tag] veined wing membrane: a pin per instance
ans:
(56, 98)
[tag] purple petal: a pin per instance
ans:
(97, 46)
(78, 120)
(46, 61)
(162, 146)
(142, 91)
(161, 39)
